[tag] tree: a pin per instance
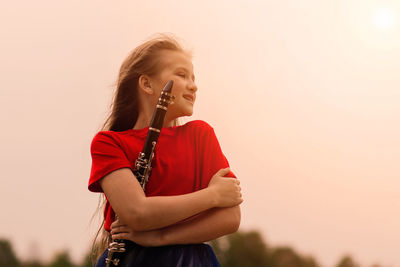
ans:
(347, 261)
(287, 257)
(7, 255)
(248, 249)
(241, 249)
(32, 263)
(310, 261)
(87, 261)
(62, 259)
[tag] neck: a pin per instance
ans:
(145, 116)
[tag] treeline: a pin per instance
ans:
(242, 249)
(248, 249)
(8, 258)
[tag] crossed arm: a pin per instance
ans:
(204, 227)
(191, 218)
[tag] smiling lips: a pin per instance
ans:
(189, 97)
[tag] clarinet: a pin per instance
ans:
(143, 163)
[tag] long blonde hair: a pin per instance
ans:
(143, 60)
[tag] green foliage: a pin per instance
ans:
(7, 255)
(241, 249)
(32, 264)
(62, 259)
(285, 257)
(347, 261)
(87, 261)
(310, 261)
(248, 249)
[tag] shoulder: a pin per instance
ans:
(200, 130)
(104, 138)
(198, 125)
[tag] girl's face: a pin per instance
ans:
(179, 68)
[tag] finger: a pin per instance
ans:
(116, 223)
(119, 236)
(116, 226)
(120, 229)
(232, 180)
(223, 172)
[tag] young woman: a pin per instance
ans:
(192, 196)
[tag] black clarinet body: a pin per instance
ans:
(143, 163)
(142, 169)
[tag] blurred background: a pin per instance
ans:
(304, 97)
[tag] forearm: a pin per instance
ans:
(158, 212)
(143, 213)
(204, 227)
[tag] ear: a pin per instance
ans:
(145, 84)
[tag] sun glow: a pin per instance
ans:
(385, 18)
(376, 26)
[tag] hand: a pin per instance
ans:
(227, 190)
(152, 238)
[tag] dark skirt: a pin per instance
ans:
(194, 255)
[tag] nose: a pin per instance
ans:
(192, 87)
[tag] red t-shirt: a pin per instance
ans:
(185, 159)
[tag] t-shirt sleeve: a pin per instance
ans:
(107, 156)
(213, 159)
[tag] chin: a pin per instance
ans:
(189, 112)
(186, 111)
(180, 110)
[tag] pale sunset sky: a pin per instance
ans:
(304, 97)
